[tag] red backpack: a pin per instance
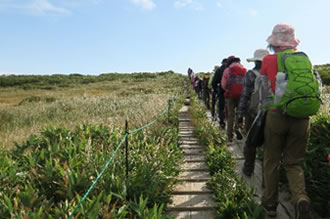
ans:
(235, 82)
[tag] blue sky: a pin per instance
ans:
(100, 36)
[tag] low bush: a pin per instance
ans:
(317, 170)
(324, 71)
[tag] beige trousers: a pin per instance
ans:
(285, 140)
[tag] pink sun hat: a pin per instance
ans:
(283, 35)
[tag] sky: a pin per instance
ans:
(104, 36)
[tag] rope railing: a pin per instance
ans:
(127, 132)
(150, 123)
(99, 176)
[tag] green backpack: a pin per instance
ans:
(297, 88)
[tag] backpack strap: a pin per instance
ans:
(255, 72)
(280, 61)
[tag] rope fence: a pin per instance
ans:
(124, 139)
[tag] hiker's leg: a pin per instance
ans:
(293, 156)
(207, 93)
(214, 100)
(231, 117)
(250, 157)
(235, 103)
(249, 150)
(275, 138)
(248, 122)
(236, 125)
(221, 99)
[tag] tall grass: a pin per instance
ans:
(137, 99)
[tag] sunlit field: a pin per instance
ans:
(29, 107)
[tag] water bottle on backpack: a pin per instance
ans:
(281, 82)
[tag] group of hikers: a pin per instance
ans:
(273, 102)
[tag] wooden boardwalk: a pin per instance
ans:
(191, 198)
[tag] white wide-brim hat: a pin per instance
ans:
(259, 54)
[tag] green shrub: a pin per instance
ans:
(324, 71)
(317, 171)
(50, 173)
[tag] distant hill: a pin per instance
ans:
(324, 71)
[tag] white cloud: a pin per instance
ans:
(182, 3)
(253, 12)
(42, 7)
(35, 7)
(193, 4)
(219, 5)
(145, 4)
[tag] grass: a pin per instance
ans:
(72, 136)
(26, 111)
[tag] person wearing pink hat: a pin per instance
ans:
(285, 136)
(247, 109)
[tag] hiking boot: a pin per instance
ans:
(270, 210)
(238, 135)
(229, 138)
(222, 124)
(303, 209)
(246, 171)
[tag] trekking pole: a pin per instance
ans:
(126, 156)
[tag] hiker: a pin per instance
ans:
(232, 83)
(287, 126)
(205, 90)
(198, 86)
(190, 71)
(218, 94)
(214, 95)
(193, 80)
(248, 106)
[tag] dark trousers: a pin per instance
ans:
(218, 98)
(249, 150)
(214, 101)
(206, 97)
(221, 104)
